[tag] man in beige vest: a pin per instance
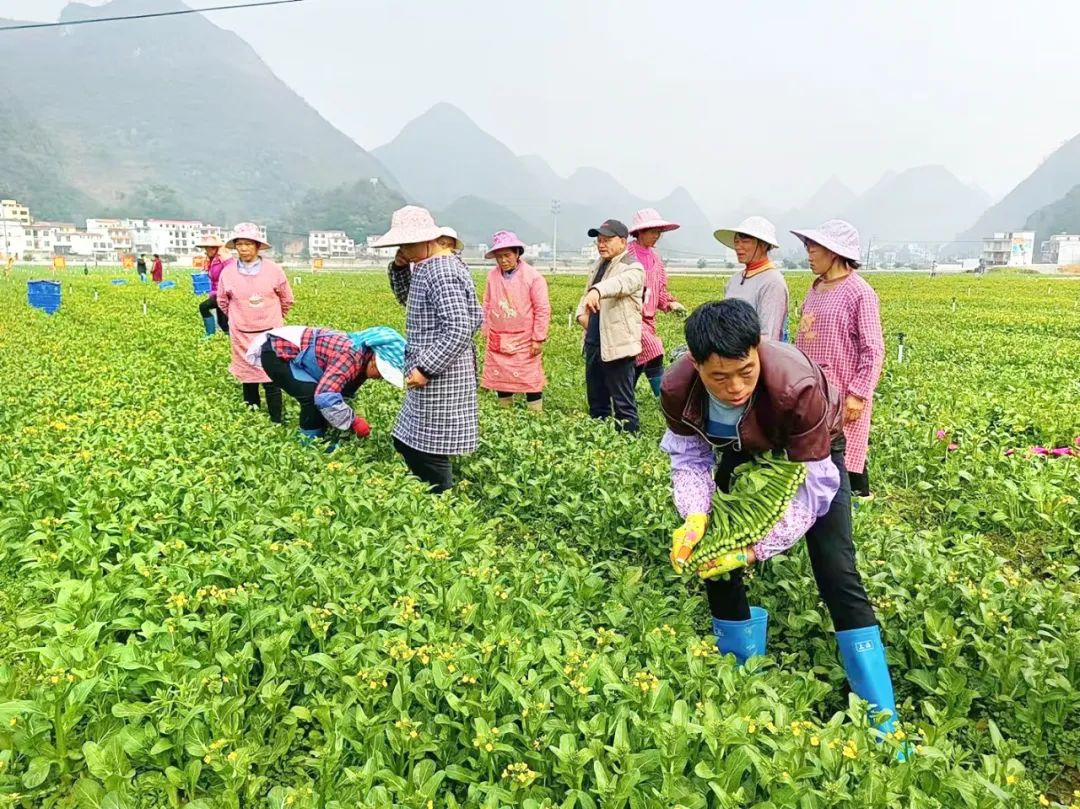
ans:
(610, 314)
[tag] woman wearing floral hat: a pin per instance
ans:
(760, 284)
(516, 318)
(840, 330)
(255, 295)
(439, 416)
(216, 264)
(647, 227)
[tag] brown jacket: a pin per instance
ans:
(620, 306)
(793, 407)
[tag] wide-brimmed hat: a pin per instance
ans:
(757, 226)
(409, 225)
(504, 240)
(649, 218)
(210, 240)
(389, 348)
(450, 232)
(249, 231)
(837, 235)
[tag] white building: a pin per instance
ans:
(83, 243)
(590, 253)
(330, 244)
(174, 237)
(1013, 249)
(1062, 249)
(45, 238)
(379, 252)
(11, 209)
(12, 238)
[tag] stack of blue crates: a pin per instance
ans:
(44, 295)
(200, 282)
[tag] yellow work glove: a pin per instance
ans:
(726, 562)
(685, 538)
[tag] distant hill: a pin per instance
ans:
(1062, 216)
(476, 220)
(1050, 182)
(178, 103)
(361, 209)
(926, 203)
(826, 203)
(442, 157)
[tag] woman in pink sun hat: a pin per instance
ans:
(516, 318)
(254, 294)
(840, 330)
(646, 228)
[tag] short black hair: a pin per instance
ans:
(728, 328)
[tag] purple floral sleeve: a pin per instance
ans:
(812, 500)
(692, 462)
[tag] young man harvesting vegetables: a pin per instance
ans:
(735, 397)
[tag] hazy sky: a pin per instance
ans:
(732, 100)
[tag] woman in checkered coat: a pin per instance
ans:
(442, 314)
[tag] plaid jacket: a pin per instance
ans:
(344, 370)
(442, 315)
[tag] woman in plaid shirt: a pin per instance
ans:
(840, 330)
(442, 315)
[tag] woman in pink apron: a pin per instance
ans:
(516, 318)
(255, 295)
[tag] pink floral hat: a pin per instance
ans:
(503, 240)
(409, 225)
(649, 218)
(249, 231)
(836, 235)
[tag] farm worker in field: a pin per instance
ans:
(439, 416)
(516, 318)
(646, 227)
(448, 238)
(216, 262)
(761, 284)
(734, 395)
(610, 314)
(140, 267)
(157, 272)
(840, 330)
(255, 295)
(321, 368)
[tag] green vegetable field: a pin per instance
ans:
(197, 610)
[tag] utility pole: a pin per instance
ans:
(870, 254)
(555, 206)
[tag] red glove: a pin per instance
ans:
(360, 427)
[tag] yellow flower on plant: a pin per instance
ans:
(814, 741)
(850, 750)
(1044, 801)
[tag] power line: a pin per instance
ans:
(26, 26)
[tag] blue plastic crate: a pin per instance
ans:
(44, 295)
(200, 282)
(118, 281)
(166, 285)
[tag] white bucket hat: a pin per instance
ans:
(409, 225)
(458, 244)
(837, 235)
(757, 226)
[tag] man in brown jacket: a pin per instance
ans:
(610, 314)
(735, 395)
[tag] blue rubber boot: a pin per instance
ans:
(868, 673)
(744, 639)
(210, 325)
(310, 436)
(654, 383)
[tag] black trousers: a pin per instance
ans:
(860, 481)
(210, 304)
(434, 470)
(609, 387)
(529, 397)
(832, 557)
(280, 373)
(652, 369)
(273, 398)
